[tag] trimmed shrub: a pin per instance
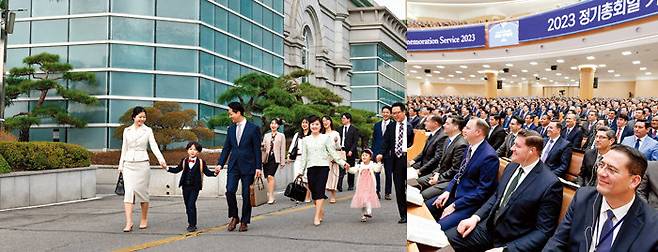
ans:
(4, 166)
(27, 156)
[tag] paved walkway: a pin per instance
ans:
(96, 226)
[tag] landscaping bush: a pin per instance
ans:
(4, 166)
(26, 156)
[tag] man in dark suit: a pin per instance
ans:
(604, 140)
(377, 140)
(451, 158)
(398, 137)
(413, 117)
(505, 150)
(242, 145)
(572, 132)
(529, 122)
(508, 118)
(523, 213)
(429, 157)
(474, 182)
(623, 129)
(349, 137)
(543, 125)
(610, 217)
(497, 134)
(612, 120)
(557, 151)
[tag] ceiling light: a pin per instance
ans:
(502, 78)
(560, 61)
(574, 68)
(533, 63)
(418, 77)
(550, 80)
(603, 65)
(524, 71)
(643, 68)
(511, 81)
(626, 53)
(591, 57)
(544, 78)
(442, 67)
(523, 78)
(558, 74)
(514, 75)
(611, 71)
(547, 69)
(413, 71)
(462, 78)
(573, 80)
(486, 66)
(472, 76)
(509, 64)
(458, 72)
(636, 62)
(436, 72)
(535, 75)
(617, 75)
(463, 67)
(566, 78)
(428, 75)
(417, 67)
(647, 73)
(450, 75)
(441, 78)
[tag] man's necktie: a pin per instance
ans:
(637, 144)
(512, 187)
(398, 142)
(238, 133)
(547, 150)
(605, 239)
(462, 168)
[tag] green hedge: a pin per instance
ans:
(28, 156)
(4, 166)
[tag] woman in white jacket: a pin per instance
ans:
(134, 164)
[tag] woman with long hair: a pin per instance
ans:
(334, 168)
(295, 152)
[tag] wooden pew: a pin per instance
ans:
(501, 167)
(574, 166)
(567, 195)
(419, 142)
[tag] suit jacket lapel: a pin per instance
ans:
(528, 180)
(628, 231)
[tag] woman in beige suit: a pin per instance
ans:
(134, 164)
(273, 153)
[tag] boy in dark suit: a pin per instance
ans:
(191, 180)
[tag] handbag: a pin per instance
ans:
(296, 190)
(119, 189)
(257, 192)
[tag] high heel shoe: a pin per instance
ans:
(144, 226)
(271, 202)
(129, 229)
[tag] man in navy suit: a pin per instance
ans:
(610, 217)
(243, 146)
(612, 120)
(398, 137)
(572, 132)
(623, 128)
(557, 151)
(474, 182)
(523, 213)
(377, 140)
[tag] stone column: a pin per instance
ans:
(586, 90)
(490, 84)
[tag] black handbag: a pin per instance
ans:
(293, 153)
(296, 190)
(119, 190)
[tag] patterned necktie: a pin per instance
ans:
(398, 142)
(605, 239)
(462, 168)
(547, 150)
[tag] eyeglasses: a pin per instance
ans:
(608, 169)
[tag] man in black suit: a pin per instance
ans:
(413, 117)
(604, 140)
(398, 137)
(349, 137)
(497, 134)
(451, 157)
(505, 150)
(523, 213)
(557, 151)
(612, 120)
(572, 132)
(429, 158)
(623, 130)
(544, 120)
(610, 217)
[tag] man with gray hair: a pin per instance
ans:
(572, 132)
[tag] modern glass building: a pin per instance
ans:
(144, 51)
(377, 76)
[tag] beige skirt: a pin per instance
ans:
(136, 177)
(334, 172)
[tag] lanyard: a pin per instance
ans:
(607, 233)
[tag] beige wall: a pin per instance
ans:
(613, 89)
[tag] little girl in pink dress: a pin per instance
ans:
(365, 196)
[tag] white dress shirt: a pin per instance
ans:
(239, 130)
(619, 213)
(526, 171)
(475, 147)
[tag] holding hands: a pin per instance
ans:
(163, 164)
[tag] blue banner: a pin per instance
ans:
(446, 39)
(584, 16)
(504, 34)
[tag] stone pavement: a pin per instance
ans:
(96, 226)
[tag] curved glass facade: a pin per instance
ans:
(144, 51)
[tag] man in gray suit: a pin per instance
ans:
(505, 150)
(429, 158)
(640, 141)
(452, 154)
(648, 188)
